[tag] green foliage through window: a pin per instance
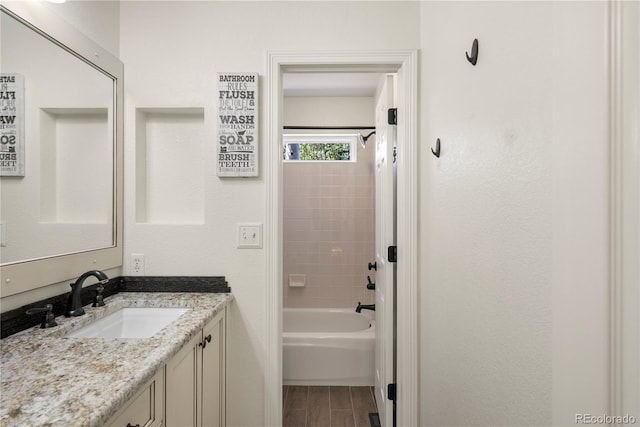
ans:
(319, 148)
(325, 151)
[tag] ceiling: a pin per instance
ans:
(330, 84)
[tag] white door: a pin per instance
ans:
(384, 236)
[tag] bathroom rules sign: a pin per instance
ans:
(11, 125)
(237, 124)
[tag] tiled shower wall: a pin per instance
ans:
(329, 231)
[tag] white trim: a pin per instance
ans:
(273, 245)
(624, 201)
(407, 370)
(405, 63)
(615, 148)
(625, 204)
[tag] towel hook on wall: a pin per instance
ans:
(474, 53)
(436, 152)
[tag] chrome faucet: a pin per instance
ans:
(74, 303)
(361, 307)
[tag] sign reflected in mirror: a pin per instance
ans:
(11, 125)
(61, 199)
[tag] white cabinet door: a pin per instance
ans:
(195, 379)
(213, 378)
(146, 408)
(181, 386)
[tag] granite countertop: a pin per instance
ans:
(48, 379)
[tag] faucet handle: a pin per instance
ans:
(98, 300)
(49, 321)
(371, 285)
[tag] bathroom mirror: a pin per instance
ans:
(60, 213)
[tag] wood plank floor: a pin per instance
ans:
(327, 406)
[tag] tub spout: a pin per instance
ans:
(361, 307)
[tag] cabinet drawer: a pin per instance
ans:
(142, 408)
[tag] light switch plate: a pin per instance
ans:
(249, 236)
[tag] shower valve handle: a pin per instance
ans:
(371, 286)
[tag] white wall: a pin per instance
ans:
(97, 19)
(172, 51)
(514, 225)
(485, 292)
(580, 197)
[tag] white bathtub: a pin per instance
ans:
(326, 346)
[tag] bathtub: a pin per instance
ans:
(326, 346)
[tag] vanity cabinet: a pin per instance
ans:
(144, 409)
(195, 379)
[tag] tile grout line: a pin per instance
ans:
(373, 398)
(306, 411)
(284, 399)
(353, 410)
(330, 406)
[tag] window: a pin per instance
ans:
(319, 148)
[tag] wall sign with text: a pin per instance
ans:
(11, 125)
(237, 124)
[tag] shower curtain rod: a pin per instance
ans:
(329, 127)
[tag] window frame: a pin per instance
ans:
(323, 138)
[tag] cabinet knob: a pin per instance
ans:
(208, 338)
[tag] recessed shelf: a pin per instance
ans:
(170, 165)
(76, 162)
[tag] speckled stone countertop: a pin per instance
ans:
(49, 379)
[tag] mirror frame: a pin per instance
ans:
(32, 274)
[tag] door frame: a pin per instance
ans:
(405, 64)
(624, 205)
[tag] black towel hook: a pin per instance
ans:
(474, 53)
(437, 150)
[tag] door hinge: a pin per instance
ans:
(392, 253)
(391, 391)
(392, 116)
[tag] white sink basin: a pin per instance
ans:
(131, 322)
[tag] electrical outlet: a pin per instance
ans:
(137, 264)
(249, 236)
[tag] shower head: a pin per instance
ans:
(363, 139)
